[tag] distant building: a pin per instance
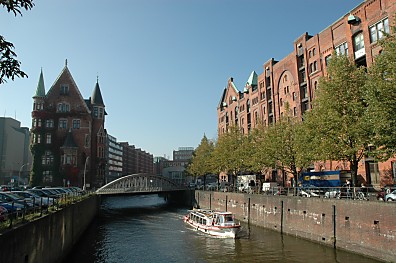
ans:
(183, 154)
(15, 157)
(136, 160)
(68, 135)
(114, 151)
(175, 169)
(159, 165)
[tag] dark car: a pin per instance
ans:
(3, 213)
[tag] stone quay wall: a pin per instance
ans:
(363, 227)
(50, 238)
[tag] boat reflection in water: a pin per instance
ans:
(218, 224)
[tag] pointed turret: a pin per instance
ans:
(40, 91)
(96, 98)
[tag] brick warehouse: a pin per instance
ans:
(294, 78)
(68, 136)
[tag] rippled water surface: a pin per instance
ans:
(146, 229)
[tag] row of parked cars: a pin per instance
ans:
(14, 202)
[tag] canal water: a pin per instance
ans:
(145, 229)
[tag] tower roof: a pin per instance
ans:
(97, 95)
(40, 91)
(69, 141)
(252, 79)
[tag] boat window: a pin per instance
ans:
(204, 221)
(228, 218)
(221, 219)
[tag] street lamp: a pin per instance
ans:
(20, 170)
(85, 169)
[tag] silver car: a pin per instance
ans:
(391, 196)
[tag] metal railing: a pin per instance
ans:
(21, 213)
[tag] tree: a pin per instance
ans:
(338, 121)
(9, 66)
(282, 145)
(381, 90)
(201, 164)
(228, 154)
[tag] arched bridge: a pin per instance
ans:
(139, 184)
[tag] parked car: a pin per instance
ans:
(12, 208)
(3, 213)
(332, 193)
(391, 197)
(43, 193)
(9, 197)
(38, 200)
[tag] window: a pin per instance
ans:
(63, 107)
(358, 44)
(38, 106)
(314, 52)
(100, 113)
(76, 124)
(38, 122)
(48, 138)
(342, 49)
(281, 102)
(38, 138)
(49, 123)
(69, 158)
(95, 111)
(294, 111)
(64, 89)
(47, 158)
(377, 31)
(62, 123)
(294, 96)
(327, 59)
(47, 177)
(303, 76)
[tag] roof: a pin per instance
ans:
(252, 79)
(40, 91)
(69, 141)
(97, 95)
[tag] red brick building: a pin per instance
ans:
(68, 136)
(135, 160)
(294, 78)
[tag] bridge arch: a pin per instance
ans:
(138, 184)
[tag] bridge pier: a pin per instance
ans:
(185, 198)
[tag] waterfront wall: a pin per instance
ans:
(363, 227)
(50, 238)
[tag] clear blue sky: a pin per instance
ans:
(162, 64)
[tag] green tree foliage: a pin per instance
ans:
(201, 164)
(9, 65)
(381, 92)
(282, 145)
(338, 121)
(229, 155)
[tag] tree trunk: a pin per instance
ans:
(354, 167)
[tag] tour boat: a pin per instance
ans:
(219, 224)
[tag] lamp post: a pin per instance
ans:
(20, 170)
(85, 169)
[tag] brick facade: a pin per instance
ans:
(294, 79)
(68, 135)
